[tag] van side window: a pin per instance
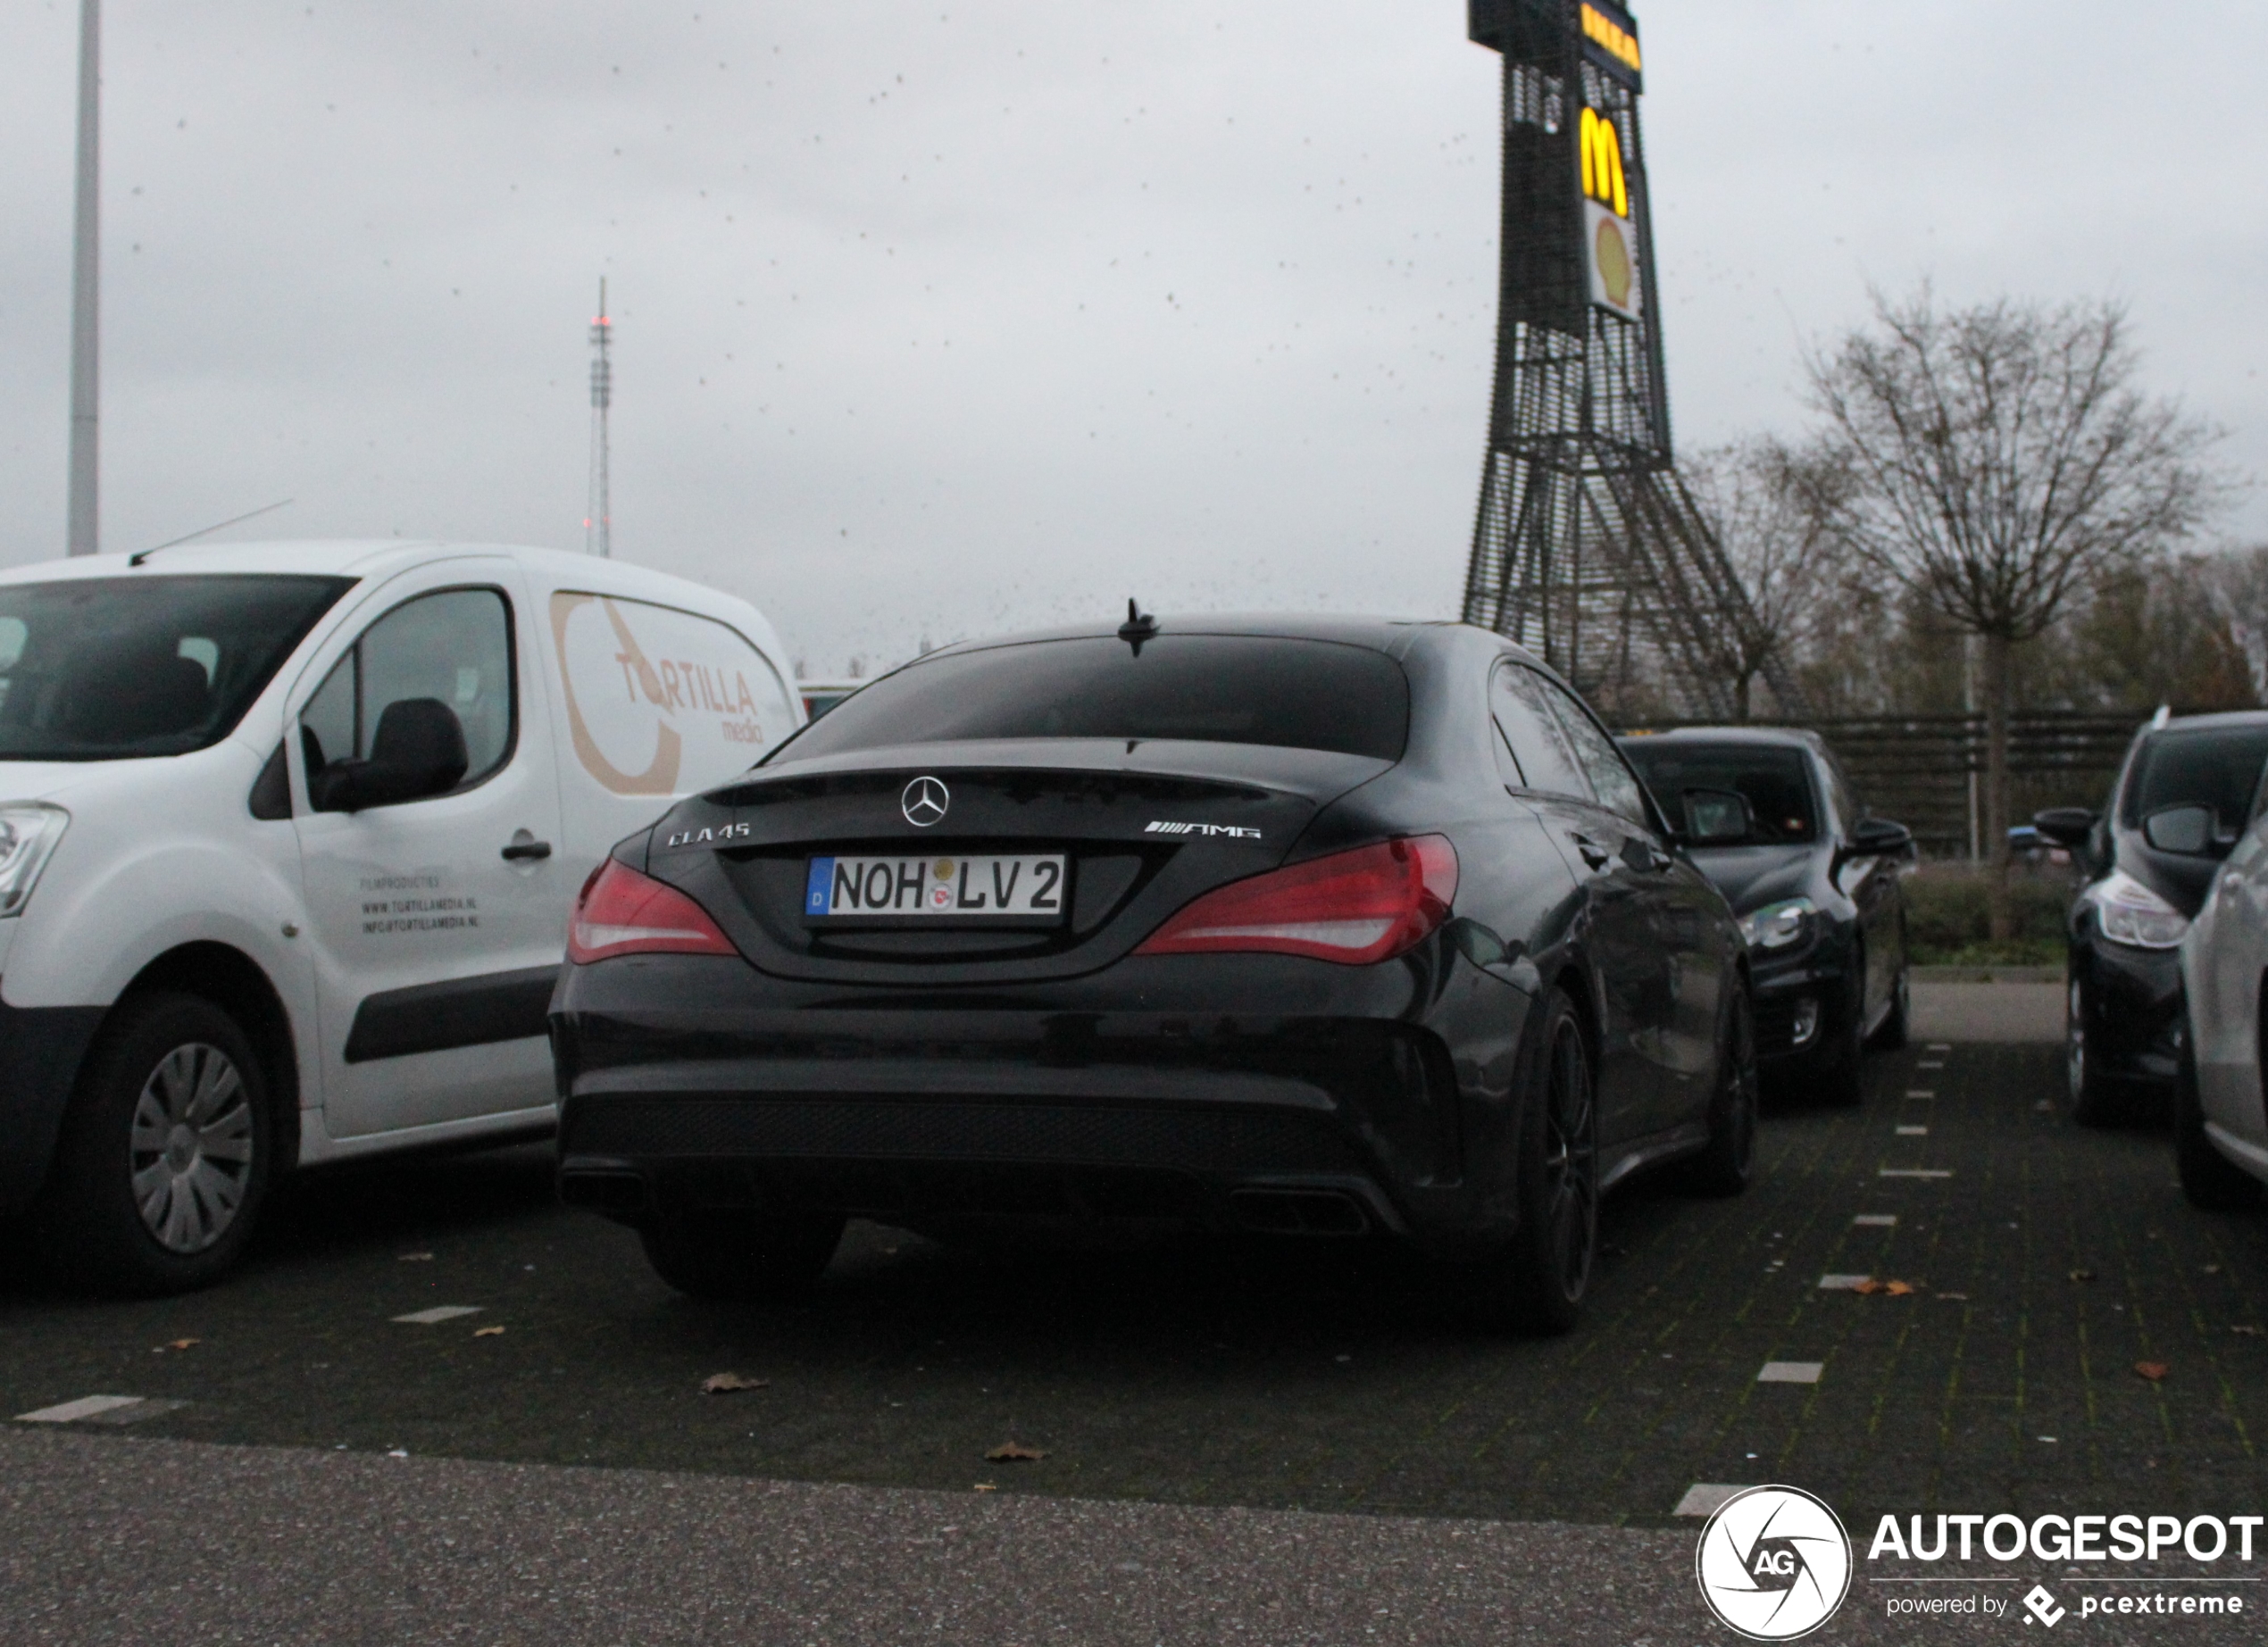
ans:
(1537, 741)
(453, 647)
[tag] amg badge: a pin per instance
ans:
(1232, 831)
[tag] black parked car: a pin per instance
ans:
(2142, 881)
(1300, 925)
(1817, 885)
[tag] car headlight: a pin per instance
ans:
(2126, 911)
(1776, 925)
(28, 831)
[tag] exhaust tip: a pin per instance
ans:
(1300, 1212)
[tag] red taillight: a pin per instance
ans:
(621, 912)
(1354, 907)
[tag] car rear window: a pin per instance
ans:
(1290, 693)
(1774, 780)
(2217, 767)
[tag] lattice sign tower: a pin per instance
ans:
(1588, 548)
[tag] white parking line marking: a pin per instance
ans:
(1841, 1283)
(1941, 1046)
(1914, 1172)
(438, 1314)
(1706, 1498)
(1876, 1220)
(1920, 1092)
(1791, 1372)
(1913, 1132)
(84, 1407)
(1930, 1063)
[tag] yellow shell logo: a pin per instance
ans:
(1614, 258)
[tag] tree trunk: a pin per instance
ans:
(1740, 694)
(1997, 686)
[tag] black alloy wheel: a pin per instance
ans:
(1551, 1256)
(1897, 1027)
(2208, 1178)
(1838, 1080)
(164, 1157)
(729, 1256)
(1725, 1167)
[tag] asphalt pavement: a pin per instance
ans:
(1274, 1439)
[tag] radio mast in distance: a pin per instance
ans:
(598, 522)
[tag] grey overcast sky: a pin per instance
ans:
(940, 318)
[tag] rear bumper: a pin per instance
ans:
(41, 1049)
(1289, 1095)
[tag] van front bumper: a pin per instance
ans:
(41, 1049)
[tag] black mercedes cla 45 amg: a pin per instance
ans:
(1303, 926)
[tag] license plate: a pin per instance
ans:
(984, 887)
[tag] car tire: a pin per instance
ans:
(1897, 1027)
(1839, 1078)
(2092, 1101)
(165, 1155)
(1547, 1267)
(2208, 1178)
(1725, 1166)
(733, 1257)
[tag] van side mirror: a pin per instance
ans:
(2067, 826)
(1717, 818)
(418, 751)
(2184, 829)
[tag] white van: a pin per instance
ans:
(288, 836)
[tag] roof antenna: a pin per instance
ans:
(139, 557)
(1139, 626)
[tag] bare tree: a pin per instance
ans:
(1999, 457)
(1767, 504)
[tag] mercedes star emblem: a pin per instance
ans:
(924, 801)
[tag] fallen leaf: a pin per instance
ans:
(413, 1258)
(2212, 1270)
(178, 1343)
(726, 1382)
(2152, 1370)
(1013, 1452)
(1899, 1289)
(487, 1332)
(986, 1486)
(2082, 1275)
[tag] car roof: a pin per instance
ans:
(1388, 635)
(2207, 723)
(1766, 737)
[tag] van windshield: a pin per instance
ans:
(107, 669)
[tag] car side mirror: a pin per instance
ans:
(2184, 829)
(1877, 837)
(2067, 826)
(418, 751)
(1717, 818)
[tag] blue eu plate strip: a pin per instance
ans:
(817, 887)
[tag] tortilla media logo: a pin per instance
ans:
(1773, 1563)
(924, 801)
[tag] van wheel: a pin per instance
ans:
(2208, 1178)
(165, 1154)
(733, 1257)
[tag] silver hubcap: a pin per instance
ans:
(192, 1148)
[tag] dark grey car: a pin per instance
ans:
(1815, 882)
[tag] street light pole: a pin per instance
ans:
(85, 285)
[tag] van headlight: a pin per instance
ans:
(28, 831)
(1776, 925)
(2126, 911)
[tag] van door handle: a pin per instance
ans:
(519, 850)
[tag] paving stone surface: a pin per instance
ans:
(1999, 1373)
